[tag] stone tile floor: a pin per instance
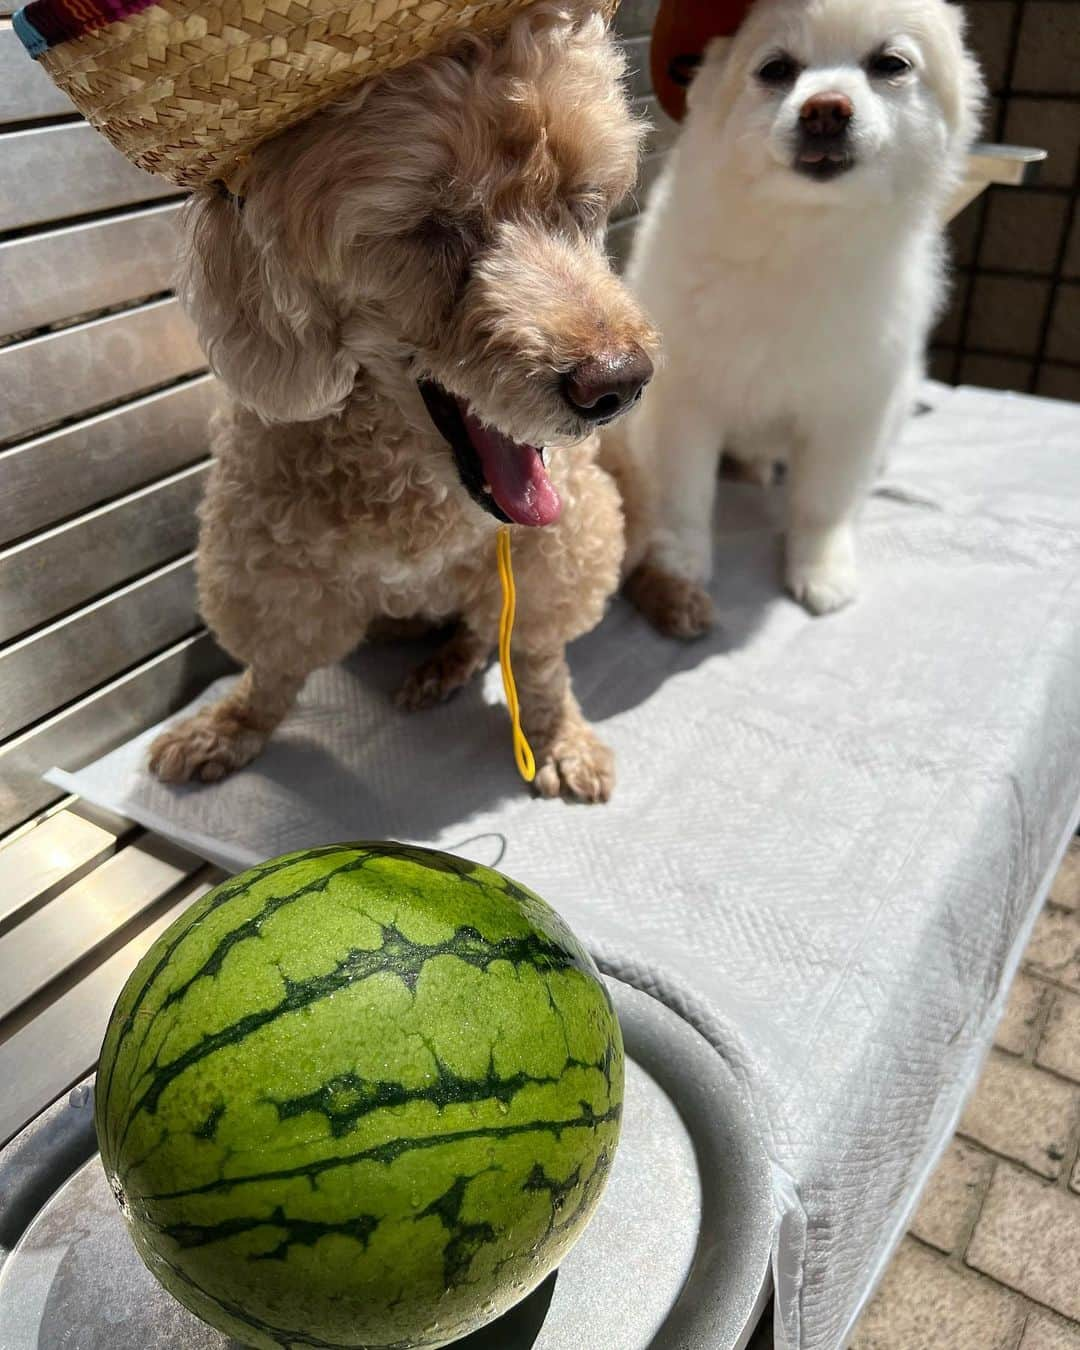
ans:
(992, 1259)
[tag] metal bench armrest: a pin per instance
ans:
(1008, 165)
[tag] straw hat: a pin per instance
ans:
(186, 88)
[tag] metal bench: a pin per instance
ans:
(104, 398)
(102, 457)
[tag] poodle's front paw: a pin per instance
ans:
(577, 765)
(444, 673)
(675, 607)
(821, 569)
(205, 748)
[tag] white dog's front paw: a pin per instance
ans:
(822, 590)
(821, 569)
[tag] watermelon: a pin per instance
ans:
(362, 1096)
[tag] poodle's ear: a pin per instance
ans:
(266, 331)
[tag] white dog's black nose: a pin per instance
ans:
(826, 114)
(604, 385)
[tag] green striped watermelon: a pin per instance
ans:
(362, 1096)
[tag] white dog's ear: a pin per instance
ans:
(711, 86)
(266, 332)
(956, 75)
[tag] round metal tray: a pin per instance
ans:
(676, 1257)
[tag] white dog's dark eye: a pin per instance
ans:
(888, 65)
(778, 70)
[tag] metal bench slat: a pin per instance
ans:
(62, 273)
(71, 470)
(41, 673)
(69, 565)
(634, 201)
(620, 238)
(25, 89)
(101, 721)
(662, 131)
(53, 854)
(634, 18)
(639, 77)
(61, 1045)
(67, 373)
(68, 929)
(49, 173)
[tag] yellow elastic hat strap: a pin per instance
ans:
(523, 754)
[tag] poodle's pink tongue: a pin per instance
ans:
(516, 475)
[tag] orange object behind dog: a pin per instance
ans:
(682, 31)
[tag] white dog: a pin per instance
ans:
(791, 256)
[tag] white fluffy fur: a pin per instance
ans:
(795, 312)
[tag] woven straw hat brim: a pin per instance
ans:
(186, 92)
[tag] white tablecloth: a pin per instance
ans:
(829, 837)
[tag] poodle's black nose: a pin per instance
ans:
(605, 385)
(826, 114)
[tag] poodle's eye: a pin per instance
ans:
(448, 247)
(888, 65)
(778, 70)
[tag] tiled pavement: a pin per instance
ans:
(992, 1259)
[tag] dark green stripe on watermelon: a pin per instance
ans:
(386, 1080)
(397, 956)
(159, 955)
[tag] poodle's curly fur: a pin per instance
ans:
(445, 221)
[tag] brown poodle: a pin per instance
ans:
(406, 297)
